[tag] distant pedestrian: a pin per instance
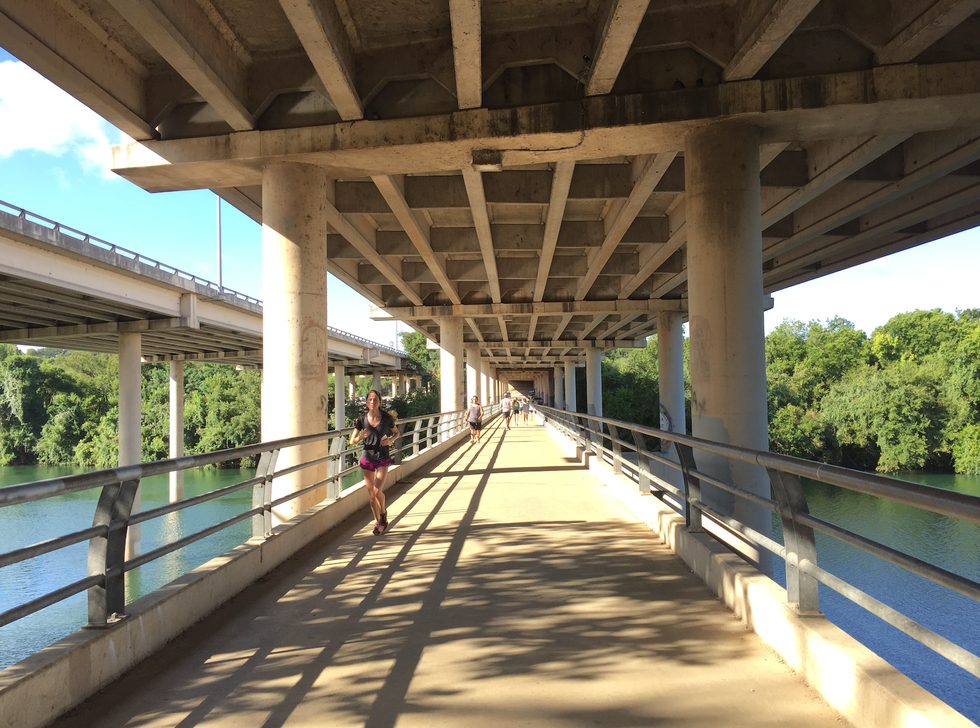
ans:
(506, 409)
(378, 431)
(527, 409)
(517, 410)
(475, 417)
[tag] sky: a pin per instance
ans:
(54, 162)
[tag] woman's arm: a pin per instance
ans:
(355, 437)
(391, 438)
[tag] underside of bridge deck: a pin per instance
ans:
(523, 161)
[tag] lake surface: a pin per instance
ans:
(942, 541)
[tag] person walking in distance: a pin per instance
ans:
(506, 409)
(527, 409)
(378, 431)
(517, 410)
(475, 417)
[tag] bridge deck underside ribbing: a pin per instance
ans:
(511, 589)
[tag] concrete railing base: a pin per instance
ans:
(38, 689)
(865, 689)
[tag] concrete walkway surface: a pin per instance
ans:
(511, 590)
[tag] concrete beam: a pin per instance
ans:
(94, 67)
(652, 170)
(613, 44)
(393, 190)
(188, 40)
(777, 23)
(357, 235)
(882, 101)
(466, 27)
(481, 221)
(560, 186)
(321, 31)
(567, 308)
(937, 20)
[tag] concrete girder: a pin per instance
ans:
(889, 100)
(481, 222)
(392, 188)
(320, 29)
(566, 46)
(764, 36)
(94, 68)
(467, 52)
(562, 308)
(357, 235)
(937, 20)
(560, 186)
(613, 44)
(932, 157)
(188, 40)
(653, 169)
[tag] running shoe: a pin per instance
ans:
(384, 519)
(378, 528)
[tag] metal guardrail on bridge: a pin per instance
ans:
(604, 437)
(107, 566)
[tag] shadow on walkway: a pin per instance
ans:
(490, 601)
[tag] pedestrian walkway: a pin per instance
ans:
(511, 590)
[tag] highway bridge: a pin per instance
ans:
(534, 182)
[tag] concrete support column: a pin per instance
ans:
(484, 382)
(352, 387)
(593, 377)
(294, 350)
(176, 427)
(570, 403)
(130, 411)
(472, 375)
(724, 253)
(559, 388)
(670, 359)
(376, 380)
(451, 389)
(339, 400)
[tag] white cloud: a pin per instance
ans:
(36, 115)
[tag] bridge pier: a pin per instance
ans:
(570, 403)
(670, 365)
(176, 427)
(724, 249)
(559, 388)
(472, 375)
(484, 379)
(294, 348)
(339, 400)
(593, 377)
(130, 412)
(450, 365)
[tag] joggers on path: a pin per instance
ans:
(507, 409)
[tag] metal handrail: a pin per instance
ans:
(591, 433)
(105, 582)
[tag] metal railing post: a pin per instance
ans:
(262, 494)
(617, 448)
(801, 589)
(692, 488)
(107, 555)
(642, 462)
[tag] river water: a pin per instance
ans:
(942, 541)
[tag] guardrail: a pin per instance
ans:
(604, 437)
(107, 566)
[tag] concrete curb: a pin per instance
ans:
(865, 689)
(41, 687)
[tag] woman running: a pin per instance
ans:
(377, 429)
(475, 417)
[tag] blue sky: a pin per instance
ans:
(54, 163)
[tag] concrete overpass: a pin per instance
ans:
(540, 177)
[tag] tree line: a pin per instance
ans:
(905, 398)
